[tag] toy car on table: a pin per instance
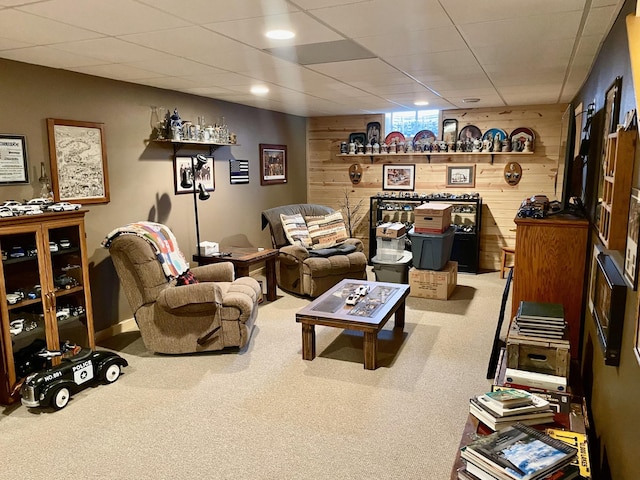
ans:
(79, 369)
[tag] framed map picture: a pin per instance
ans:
(78, 158)
(631, 248)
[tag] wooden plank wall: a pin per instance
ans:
(328, 175)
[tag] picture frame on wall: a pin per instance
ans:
(182, 167)
(13, 159)
(636, 342)
(273, 164)
(78, 157)
(631, 247)
(398, 177)
(461, 176)
(612, 107)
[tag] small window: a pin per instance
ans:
(410, 123)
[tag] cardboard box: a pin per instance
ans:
(433, 283)
(432, 217)
(391, 230)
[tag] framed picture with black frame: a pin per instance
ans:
(398, 177)
(609, 297)
(182, 170)
(13, 159)
(631, 247)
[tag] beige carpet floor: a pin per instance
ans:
(264, 413)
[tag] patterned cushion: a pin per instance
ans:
(326, 230)
(296, 230)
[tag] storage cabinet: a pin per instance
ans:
(615, 188)
(45, 264)
(550, 262)
(466, 217)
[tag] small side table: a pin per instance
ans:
(242, 258)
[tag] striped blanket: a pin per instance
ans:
(162, 241)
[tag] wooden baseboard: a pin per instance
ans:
(128, 325)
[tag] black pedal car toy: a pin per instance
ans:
(79, 369)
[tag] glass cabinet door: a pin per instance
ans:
(68, 292)
(25, 315)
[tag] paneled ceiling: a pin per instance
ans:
(347, 56)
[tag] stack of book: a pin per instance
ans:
(542, 320)
(502, 408)
(518, 452)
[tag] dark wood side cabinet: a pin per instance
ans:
(550, 265)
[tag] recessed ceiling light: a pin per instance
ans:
(420, 103)
(259, 90)
(280, 34)
(470, 100)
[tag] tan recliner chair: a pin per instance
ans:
(303, 272)
(215, 313)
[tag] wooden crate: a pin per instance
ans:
(539, 355)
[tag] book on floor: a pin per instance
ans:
(510, 397)
(577, 440)
(552, 312)
(496, 422)
(473, 472)
(536, 405)
(518, 452)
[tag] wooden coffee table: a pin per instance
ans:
(369, 315)
(242, 258)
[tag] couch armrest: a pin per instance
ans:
(357, 242)
(197, 297)
(293, 254)
(215, 272)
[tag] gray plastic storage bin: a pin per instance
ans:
(392, 271)
(431, 251)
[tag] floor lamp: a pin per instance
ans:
(197, 163)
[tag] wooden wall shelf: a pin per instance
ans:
(428, 155)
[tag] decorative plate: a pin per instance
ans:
(521, 135)
(394, 136)
(470, 132)
(423, 137)
(492, 133)
(358, 138)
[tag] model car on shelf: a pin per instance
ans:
(16, 252)
(10, 204)
(53, 246)
(79, 369)
(65, 281)
(64, 207)
(13, 298)
(42, 202)
(6, 212)
(65, 243)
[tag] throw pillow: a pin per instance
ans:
(326, 230)
(296, 230)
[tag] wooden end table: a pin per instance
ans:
(243, 258)
(369, 315)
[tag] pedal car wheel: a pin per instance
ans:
(112, 373)
(60, 398)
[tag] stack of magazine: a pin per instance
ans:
(518, 452)
(502, 408)
(542, 320)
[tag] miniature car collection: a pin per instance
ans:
(355, 297)
(79, 369)
(35, 206)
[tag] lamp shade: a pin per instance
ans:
(199, 161)
(202, 193)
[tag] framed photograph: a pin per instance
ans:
(631, 248)
(273, 164)
(78, 157)
(398, 177)
(450, 130)
(13, 159)
(597, 250)
(461, 176)
(182, 170)
(611, 108)
(610, 292)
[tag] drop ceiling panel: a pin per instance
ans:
(354, 69)
(171, 65)
(106, 16)
(9, 44)
(462, 14)
(50, 57)
(208, 11)
(546, 51)
(599, 20)
(409, 42)
(252, 30)
(24, 27)
(111, 49)
(441, 62)
(116, 71)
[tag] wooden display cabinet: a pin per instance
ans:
(615, 189)
(46, 261)
(550, 265)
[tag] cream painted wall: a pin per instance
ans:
(141, 173)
